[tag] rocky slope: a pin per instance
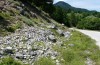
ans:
(28, 33)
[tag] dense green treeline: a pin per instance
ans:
(83, 20)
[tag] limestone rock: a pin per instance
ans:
(8, 50)
(67, 34)
(33, 53)
(71, 45)
(60, 32)
(52, 26)
(52, 38)
(19, 55)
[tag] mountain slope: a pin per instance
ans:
(67, 6)
(27, 33)
(63, 4)
(30, 35)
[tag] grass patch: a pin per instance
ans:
(27, 21)
(5, 15)
(10, 61)
(13, 27)
(3, 32)
(45, 61)
(76, 54)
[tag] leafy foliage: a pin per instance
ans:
(90, 22)
(10, 61)
(83, 20)
(13, 27)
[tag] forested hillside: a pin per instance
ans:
(67, 6)
(76, 17)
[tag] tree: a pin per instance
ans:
(72, 19)
(59, 15)
(90, 22)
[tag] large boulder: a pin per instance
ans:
(67, 34)
(52, 38)
(33, 53)
(8, 50)
(60, 32)
(19, 55)
(52, 26)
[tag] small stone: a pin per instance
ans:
(89, 62)
(1, 52)
(9, 48)
(52, 57)
(29, 47)
(62, 24)
(87, 51)
(40, 51)
(71, 45)
(52, 26)
(19, 8)
(57, 61)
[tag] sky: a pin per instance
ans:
(87, 4)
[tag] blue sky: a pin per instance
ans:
(87, 4)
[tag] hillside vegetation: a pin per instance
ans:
(76, 17)
(29, 36)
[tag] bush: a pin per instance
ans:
(9, 61)
(5, 15)
(90, 22)
(12, 28)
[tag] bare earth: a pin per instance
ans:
(93, 34)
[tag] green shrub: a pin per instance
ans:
(89, 22)
(12, 28)
(3, 32)
(5, 15)
(9, 61)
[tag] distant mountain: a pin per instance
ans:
(67, 6)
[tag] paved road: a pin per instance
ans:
(93, 34)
